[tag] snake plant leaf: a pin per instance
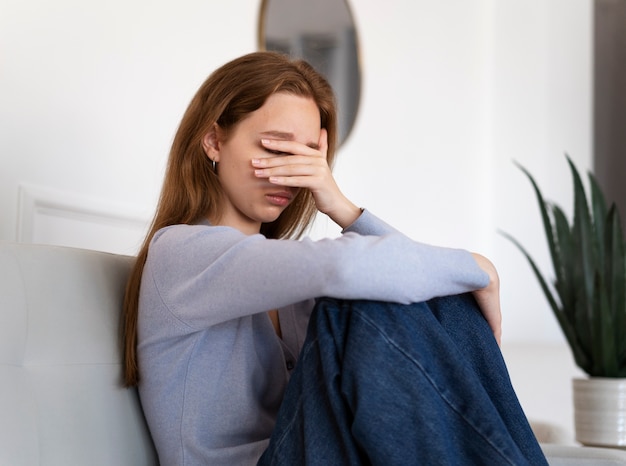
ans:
(585, 331)
(599, 213)
(582, 360)
(604, 348)
(615, 271)
(547, 225)
(585, 241)
(565, 242)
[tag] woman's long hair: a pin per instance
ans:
(191, 189)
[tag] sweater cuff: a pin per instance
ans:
(367, 224)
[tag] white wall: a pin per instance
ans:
(541, 101)
(91, 94)
(453, 91)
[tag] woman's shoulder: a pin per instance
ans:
(183, 233)
(184, 242)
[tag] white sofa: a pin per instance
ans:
(61, 399)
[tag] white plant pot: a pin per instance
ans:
(600, 411)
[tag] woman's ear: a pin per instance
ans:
(211, 143)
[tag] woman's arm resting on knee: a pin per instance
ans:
(488, 298)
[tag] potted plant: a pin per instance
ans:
(588, 298)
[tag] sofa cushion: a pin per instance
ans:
(61, 397)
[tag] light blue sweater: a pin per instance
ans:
(213, 370)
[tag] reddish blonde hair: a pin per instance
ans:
(191, 189)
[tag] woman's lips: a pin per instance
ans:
(280, 198)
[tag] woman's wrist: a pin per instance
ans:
(345, 214)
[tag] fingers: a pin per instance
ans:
(489, 304)
(293, 164)
(288, 169)
(280, 147)
(488, 298)
(323, 142)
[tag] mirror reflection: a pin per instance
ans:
(323, 33)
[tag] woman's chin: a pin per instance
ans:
(272, 214)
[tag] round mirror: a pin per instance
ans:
(323, 33)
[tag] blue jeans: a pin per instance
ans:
(388, 384)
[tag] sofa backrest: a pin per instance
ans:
(61, 397)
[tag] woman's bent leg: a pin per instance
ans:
(387, 384)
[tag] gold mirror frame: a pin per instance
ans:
(323, 33)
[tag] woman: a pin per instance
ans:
(218, 303)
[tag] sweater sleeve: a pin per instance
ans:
(368, 224)
(206, 275)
